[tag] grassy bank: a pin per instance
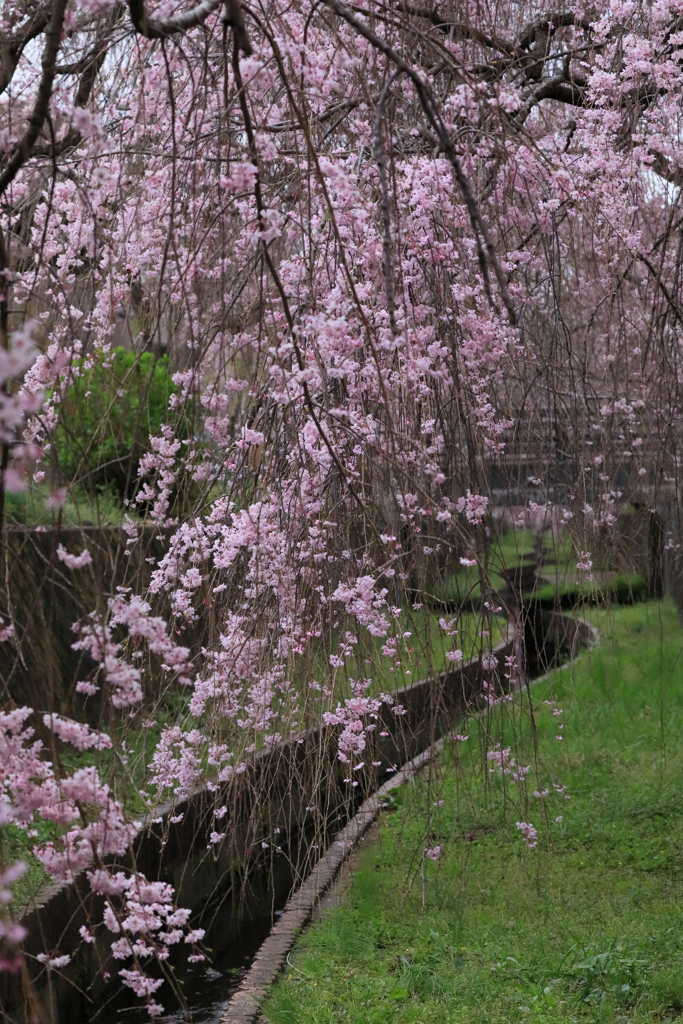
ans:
(586, 926)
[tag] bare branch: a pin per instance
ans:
(22, 151)
(73, 137)
(459, 29)
(549, 24)
(82, 66)
(556, 88)
(11, 48)
(162, 28)
(642, 258)
(235, 19)
(386, 211)
(662, 167)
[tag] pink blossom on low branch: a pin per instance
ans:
(364, 603)
(349, 716)
(140, 983)
(73, 561)
(474, 507)
(503, 760)
(529, 833)
(124, 678)
(77, 734)
(53, 963)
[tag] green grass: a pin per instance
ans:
(507, 551)
(625, 588)
(462, 588)
(32, 508)
(421, 650)
(508, 548)
(588, 926)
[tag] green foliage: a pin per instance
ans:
(461, 590)
(627, 588)
(608, 974)
(508, 554)
(108, 413)
(16, 845)
(512, 555)
(587, 927)
(32, 507)
(511, 547)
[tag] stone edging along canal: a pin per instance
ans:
(245, 1005)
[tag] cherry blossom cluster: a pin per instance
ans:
(30, 788)
(503, 760)
(350, 715)
(143, 914)
(124, 680)
(355, 251)
(529, 833)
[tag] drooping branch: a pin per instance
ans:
(161, 28)
(92, 57)
(380, 160)
(234, 18)
(459, 29)
(662, 167)
(673, 305)
(535, 35)
(531, 53)
(556, 88)
(486, 251)
(88, 68)
(86, 84)
(561, 90)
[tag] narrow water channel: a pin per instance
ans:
(236, 927)
(207, 987)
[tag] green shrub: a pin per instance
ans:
(107, 415)
(607, 974)
(461, 590)
(628, 588)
